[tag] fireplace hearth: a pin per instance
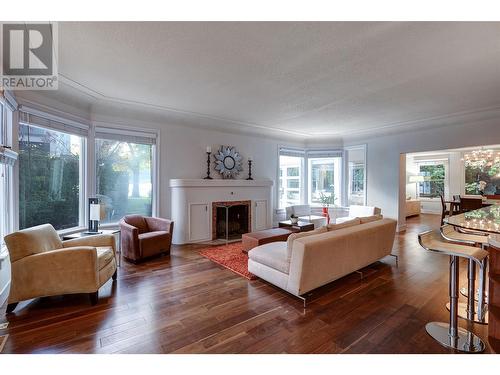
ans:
(232, 218)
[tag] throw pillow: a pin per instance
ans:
(369, 219)
(345, 224)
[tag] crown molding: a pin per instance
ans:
(189, 116)
(174, 116)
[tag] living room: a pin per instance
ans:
(204, 187)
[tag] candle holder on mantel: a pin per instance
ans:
(209, 152)
(249, 169)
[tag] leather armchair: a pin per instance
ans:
(143, 237)
(42, 265)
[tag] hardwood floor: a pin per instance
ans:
(187, 304)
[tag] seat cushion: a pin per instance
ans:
(152, 243)
(273, 255)
(105, 255)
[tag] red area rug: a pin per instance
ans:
(231, 257)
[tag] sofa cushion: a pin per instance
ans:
(138, 222)
(273, 255)
(294, 236)
(152, 243)
(369, 219)
(344, 224)
(105, 254)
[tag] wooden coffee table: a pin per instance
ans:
(254, 239)
(301, 226)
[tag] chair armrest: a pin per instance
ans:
(159, 224)
(61, 271)
(129, 237)
(93, 241)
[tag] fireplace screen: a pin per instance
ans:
(231, 220)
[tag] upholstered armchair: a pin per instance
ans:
(143, 237)
(42, 265)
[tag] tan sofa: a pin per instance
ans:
(324, 256)
(43, 265)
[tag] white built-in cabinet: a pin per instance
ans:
(199, 222)
(191, 201)
(260, 213)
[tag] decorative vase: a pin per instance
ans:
(326, 214)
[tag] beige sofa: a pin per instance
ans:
(43, 265)
(311, 261)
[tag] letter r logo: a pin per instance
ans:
(27, 49)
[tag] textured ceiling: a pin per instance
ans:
(329, 78)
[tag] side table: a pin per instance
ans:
(301, 226)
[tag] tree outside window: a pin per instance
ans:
(434, 183)
(123, 178)
(49, 178)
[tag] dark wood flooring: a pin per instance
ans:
(187, 304)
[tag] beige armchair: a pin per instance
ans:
(42, 265)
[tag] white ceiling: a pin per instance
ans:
(314, 79)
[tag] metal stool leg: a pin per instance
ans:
(465, 290)
(481, 306)
(468, 311)
(450, 335)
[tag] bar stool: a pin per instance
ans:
(466, 311)
(449, 334)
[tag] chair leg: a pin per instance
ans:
(449, 334)
(94, 297)
(11, 307)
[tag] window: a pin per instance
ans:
(482, 172)
(123, 178)
(356, 193)
(324, 175)
(49, 177)
(324, 178)
(291, 177)
(434, 179)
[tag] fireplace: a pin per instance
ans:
(233, 217)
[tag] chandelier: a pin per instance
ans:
(481, 158)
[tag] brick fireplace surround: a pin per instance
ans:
(230, 204)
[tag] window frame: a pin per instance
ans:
(87, 159)
(314, 153)
(82, 167)
(446, 180)
(153, 173)
(347, 177)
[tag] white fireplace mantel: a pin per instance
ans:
(192, 201)
(218, 183)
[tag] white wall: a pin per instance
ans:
(384, 156)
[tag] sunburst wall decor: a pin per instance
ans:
(228, 162)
